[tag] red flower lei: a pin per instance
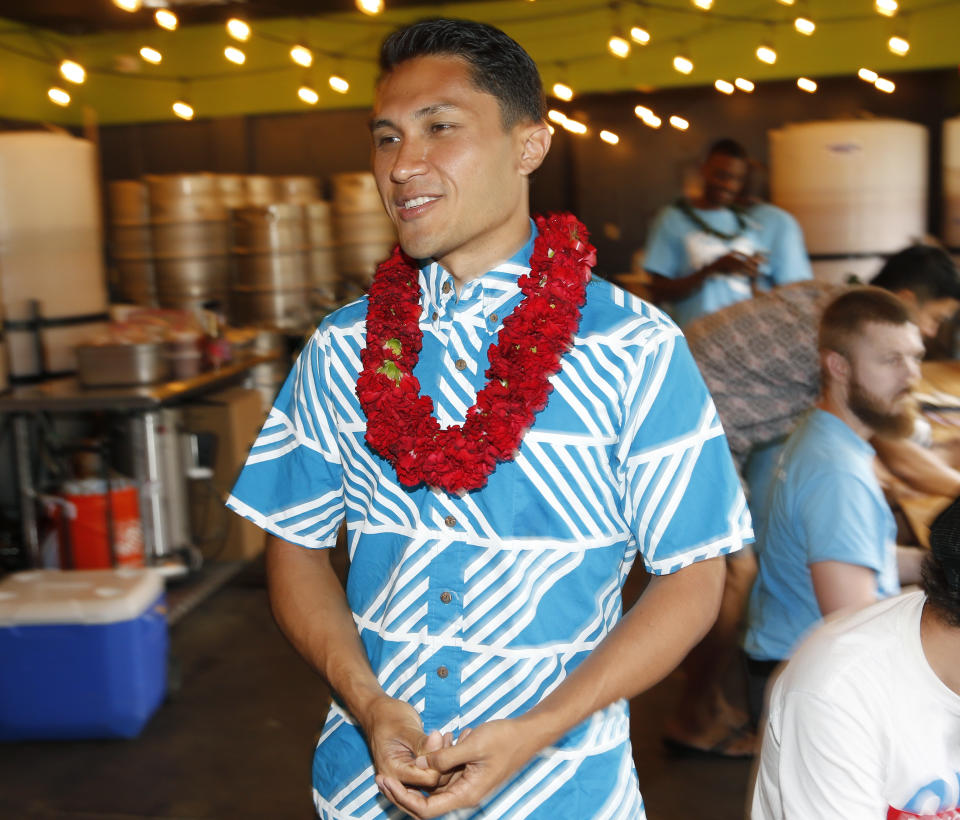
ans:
(400, 422)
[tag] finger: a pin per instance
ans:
(430, 743)
(395, 792)
(412, 774)
(445, 760)
(460, 794)
(465, 734)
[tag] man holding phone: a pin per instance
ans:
(707, 253)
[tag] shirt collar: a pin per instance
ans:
(496, 291)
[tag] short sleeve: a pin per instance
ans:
(818, 760)
(684, 502)
(838, 520)
(789, 261)
(291, 484)
(664, 253)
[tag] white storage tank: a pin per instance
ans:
(51, 250)
(858, 188)
(951, 185)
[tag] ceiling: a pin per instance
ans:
(76, 17)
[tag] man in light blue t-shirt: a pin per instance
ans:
(827, 537)
(707, 253)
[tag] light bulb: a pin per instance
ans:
(724, 87)
(765, 54)
(744, 85)
(551, 129)
(238, 29)
(618, 47)
(640, 35)
(370, 6)
(806, 84)
(166, 19)
(72, 71)
(679, 123)
(609, 137)
(805, 25)
(574, 127)
(58, 96)
(867, 75)
(653, 121)
(884, 85)
(682, 64)
(127, 5)
(786, 2)
(338, 84)
(183, 110)
(308, 95)
(556, 116)
(562, 91)
(302, 55)
(898, 45)
(151, 55)
(886, 7)
(706, 5)
(235, 55)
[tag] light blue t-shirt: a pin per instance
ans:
(781, 240)
(677, 246)
(825, 505)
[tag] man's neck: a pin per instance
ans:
(706, 205)
(829, 402)
(941, 647)
(467, 264)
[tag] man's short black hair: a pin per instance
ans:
(927, 271)
(728, 148)
(941, 566)
(498, 64)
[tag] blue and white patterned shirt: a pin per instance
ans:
(475, 607)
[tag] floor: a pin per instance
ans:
(235, 740)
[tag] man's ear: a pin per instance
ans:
(837, 365)
(534, 145)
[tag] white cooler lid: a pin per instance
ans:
(91, 596)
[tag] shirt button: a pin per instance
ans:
(493, 318)
(446, 597)
(435, 316)
(460, 364)
(450, 521)
(446, 287)
(442, 671)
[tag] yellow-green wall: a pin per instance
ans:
(566, 37)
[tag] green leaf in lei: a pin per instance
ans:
(392, 371)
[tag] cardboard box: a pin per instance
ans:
(226, 425)
(84, 653)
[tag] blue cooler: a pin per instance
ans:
(83, 653)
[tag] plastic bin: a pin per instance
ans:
(84, 653)
(88, 544)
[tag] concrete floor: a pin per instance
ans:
(235, 741)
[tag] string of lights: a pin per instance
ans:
(301, 52)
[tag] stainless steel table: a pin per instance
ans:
(143, 405)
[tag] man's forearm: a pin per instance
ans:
(673, 614)
(665, 289)
(311, 609)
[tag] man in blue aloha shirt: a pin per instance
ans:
(478, 656)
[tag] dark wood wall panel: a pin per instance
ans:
(616, 190)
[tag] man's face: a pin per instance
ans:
(451, 178)
(884, 368)
(723, 178)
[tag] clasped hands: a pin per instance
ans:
(453, 775)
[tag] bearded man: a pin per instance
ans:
(504, 436)
(828, 540)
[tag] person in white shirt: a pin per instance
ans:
(864, 721)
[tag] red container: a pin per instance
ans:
(88, 539)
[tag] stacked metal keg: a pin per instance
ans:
(133, 276)
(270, 266)
(321, 249)
(191, 240)
(365, 234)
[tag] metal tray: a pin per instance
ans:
(121, 364)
